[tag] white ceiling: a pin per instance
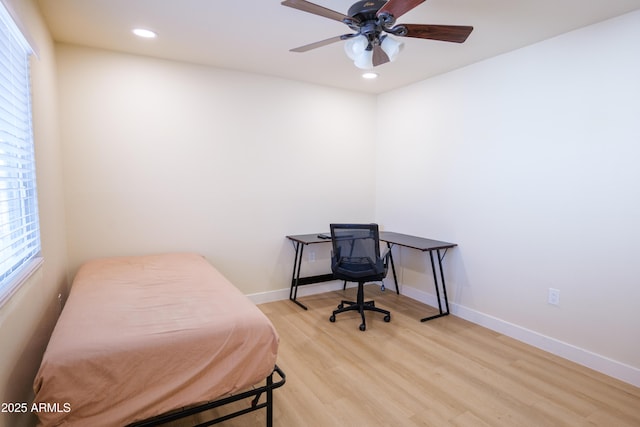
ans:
(256, 35)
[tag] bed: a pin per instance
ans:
(149, 335)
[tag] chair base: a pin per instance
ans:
(361, 306)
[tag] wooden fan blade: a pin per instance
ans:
(399, 7)
(306, 6)
(379, 56)
(446, 33)
(317, 44)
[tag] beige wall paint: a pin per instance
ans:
(529, 162)
(166, 156)
(26, 320)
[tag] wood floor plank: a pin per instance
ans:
(445, 372)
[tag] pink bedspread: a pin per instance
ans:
(140, 336)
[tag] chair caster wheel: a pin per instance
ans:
(340, 306)
(332, 319)
(363, 327)
(387, 318)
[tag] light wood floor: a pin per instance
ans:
(446, 372)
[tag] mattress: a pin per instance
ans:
(141, 336)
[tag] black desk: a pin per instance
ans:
(391, 239)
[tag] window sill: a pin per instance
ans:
(27, 271)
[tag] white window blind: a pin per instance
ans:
(19, 223)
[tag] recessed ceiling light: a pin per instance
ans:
(147, 34)
(369, 76)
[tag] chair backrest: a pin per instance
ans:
(356, 252)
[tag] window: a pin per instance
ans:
(19, 224)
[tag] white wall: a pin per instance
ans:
(529, 161)
(166, 156)
(28, 317)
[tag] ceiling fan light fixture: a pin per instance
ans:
(369, 75)
(391, 47)
(358, 49)
(364, 60)
(355, 46)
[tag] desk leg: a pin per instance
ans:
(444, 287)
(393, 268)
(435, 282)
(297, 264)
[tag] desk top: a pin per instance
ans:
(308, 239)
(414, 242)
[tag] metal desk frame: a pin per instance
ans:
(391, 239)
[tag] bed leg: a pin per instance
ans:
(270, 401)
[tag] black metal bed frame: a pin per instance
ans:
(256, 393)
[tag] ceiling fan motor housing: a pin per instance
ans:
(366, 10)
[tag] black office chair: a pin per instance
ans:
(356, 258)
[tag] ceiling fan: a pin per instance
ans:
(370, 19)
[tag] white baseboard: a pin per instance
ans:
(597, 362)
(281, 294)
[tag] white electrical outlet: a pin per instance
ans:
(554, 296)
